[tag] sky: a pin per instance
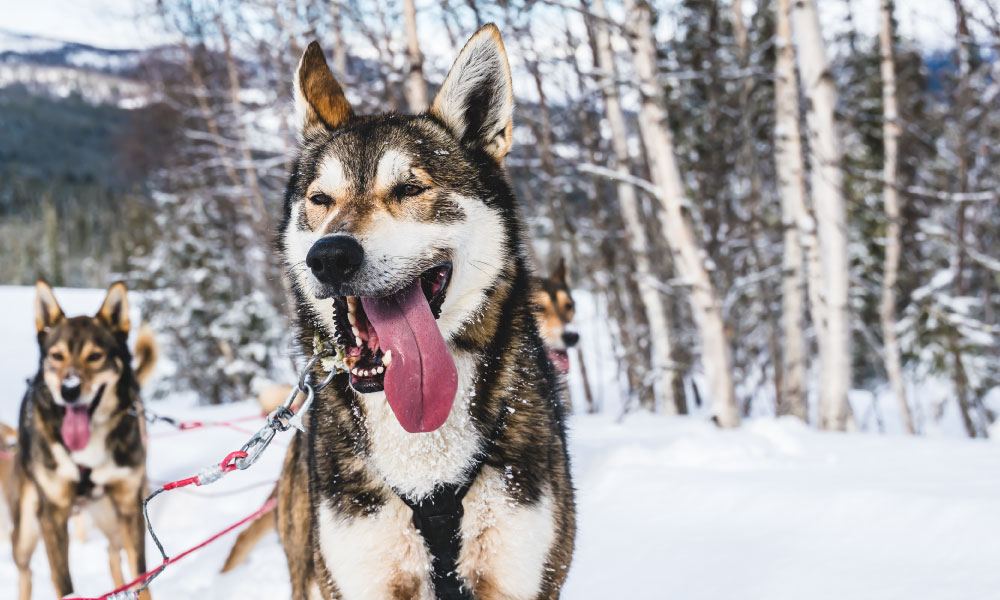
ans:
(102, 23)
(121, 24)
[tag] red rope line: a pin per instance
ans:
(185, 426)
(227, 465)
(270, 504)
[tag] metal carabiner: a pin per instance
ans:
(327, 380)
(303, 376)
(255, 446)
(296, 420)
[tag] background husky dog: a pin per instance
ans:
(404, 245)
(80, 443)
(554, 311)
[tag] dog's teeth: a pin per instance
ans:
(380, 370)
(355, 371)
(367, 373)
(357, 341)
(387, 358)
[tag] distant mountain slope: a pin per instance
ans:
(19, 47)
(59, 139)
(80, 133)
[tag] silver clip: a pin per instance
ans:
(255, 447)
(296, 420)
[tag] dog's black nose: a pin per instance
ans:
(70, 391)
(570, 338)
(335, 259)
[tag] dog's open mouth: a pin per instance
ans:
(560, 359)
(392, 343)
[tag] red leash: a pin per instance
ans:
(185, 426)
(271, 503)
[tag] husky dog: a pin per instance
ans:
(437, 468)
(81, 438)
(554, 311)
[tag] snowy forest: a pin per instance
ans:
(765, 209)
(779, 221)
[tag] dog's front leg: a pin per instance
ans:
(25, 534)
(54, 523)
(126, 497)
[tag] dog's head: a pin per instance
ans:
(395, 230)
(82, 357)
(554, 311)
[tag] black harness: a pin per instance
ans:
(438, 518)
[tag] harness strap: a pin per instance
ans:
(85, 485)
(438, 518)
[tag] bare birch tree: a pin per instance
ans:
(338, 45)
(791, 183)
(416, 87)
(653, 305)
(716, 353)
(831, 215)
(890, 193)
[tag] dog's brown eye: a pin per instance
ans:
(409, 189)
(321, 200)
(56, 356)
(94, 357)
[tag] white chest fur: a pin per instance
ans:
(369, 556)
(413, 463)
(503, 542)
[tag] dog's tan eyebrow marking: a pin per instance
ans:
(331, 179)
(391, 169)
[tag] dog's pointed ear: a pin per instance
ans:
(47, 309)
(476, 100)
(319, 99)
(114, 311)
(560, 272)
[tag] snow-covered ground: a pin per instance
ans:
(668, 508)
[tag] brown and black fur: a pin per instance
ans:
(518, 415)
(47, 484)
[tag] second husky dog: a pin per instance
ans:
(554, 311)
(437, 468)
(80, 439)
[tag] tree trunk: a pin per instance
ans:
(677, 228)
(890, 193)
(740, 29)
(653, 305)
(748, 166)
(614, 288)
(416, 87)
(963, 39)
(831, 215)
(791, 182)
(340, 67)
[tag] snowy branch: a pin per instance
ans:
(614, 175)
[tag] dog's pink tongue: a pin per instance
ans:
(76, 427)
(421, 379)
